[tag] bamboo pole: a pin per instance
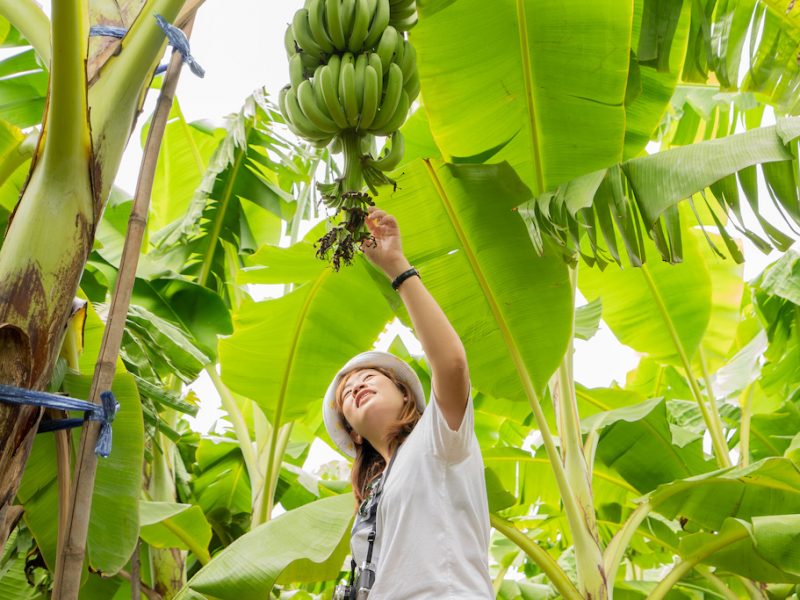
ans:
(69, 563)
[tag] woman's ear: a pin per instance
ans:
(357, 439)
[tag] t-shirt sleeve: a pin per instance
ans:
(450, 445)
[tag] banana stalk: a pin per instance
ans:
(592, 576)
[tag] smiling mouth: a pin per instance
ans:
(363, 397)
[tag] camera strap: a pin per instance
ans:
(373, 532)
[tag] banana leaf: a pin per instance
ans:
(248, 568)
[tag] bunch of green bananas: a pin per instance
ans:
(360, 93)
(353, 76)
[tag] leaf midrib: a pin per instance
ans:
(527, 76)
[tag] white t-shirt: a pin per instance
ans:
(433, 518)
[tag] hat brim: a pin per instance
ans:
(334, 422)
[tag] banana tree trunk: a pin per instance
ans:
(50, 234)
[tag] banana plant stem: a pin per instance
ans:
(69, 564)
(588, 553)
(723, 589)
(713, 409)
(239, 426)
(543, 560)
(718, 441)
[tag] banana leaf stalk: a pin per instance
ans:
(70, 562)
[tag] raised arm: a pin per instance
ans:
(439, 340)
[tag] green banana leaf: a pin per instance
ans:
(241, 168)
(768, 487)
(23, 89)
(172, 525)
(512, 309)
(546, 61)
(284, 352)
(248, 568)
(114, 521)
(642, 445)
(528, 480)
(763, 549)
(221, 481)
(640, 197)
(657, 56)
(186, 150)
(638, 315)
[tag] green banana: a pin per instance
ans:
(298, 119)
(303, 35)
(379, 22)
(405, 24)
(335, 63)
(409, 62)
(289, 42)
(331, 96)
(387, 47)
(316, 22)
(400, 49)
(296, 70)
(398, 118)
(360, 25)
(375, 63)
(411, 86)
(394, 89)
(316, 84)
(346, 15)
(333, 18)
(348, 57)
(308, 104)
(369, 103)
(282, 101)
(347, 92)
(392, 158)
(403, 12)
(361, 65)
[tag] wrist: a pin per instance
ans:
(396, 267)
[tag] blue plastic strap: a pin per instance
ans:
(179, 41)
(104, 412)
(107, 31)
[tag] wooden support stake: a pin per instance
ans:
(69, 563)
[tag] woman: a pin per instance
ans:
(430, 521)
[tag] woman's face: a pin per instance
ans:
(370, 402)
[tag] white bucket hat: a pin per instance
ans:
(334, 422)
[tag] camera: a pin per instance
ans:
(359, 591)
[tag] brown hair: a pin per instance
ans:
(368, 462)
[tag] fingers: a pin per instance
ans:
(380, 218)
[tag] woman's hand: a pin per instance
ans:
(386, 252)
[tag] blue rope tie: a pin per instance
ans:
(104, 412)
(177, 39)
